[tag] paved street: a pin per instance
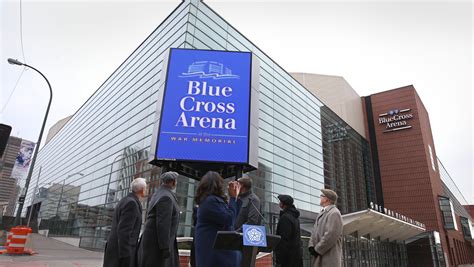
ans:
(53, 253)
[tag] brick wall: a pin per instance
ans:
(405, 166)
(410, 185)
(470, 209)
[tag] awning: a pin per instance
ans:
(379, 225)
(376, 224)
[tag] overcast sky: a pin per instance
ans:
(375, 46)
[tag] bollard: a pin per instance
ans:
(18, 240)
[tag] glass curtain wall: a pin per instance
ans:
(88, 166)
(290, 141)
(367, 251)
(347, 163)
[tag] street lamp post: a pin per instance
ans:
(34, 198)
(21, 200)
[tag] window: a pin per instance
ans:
(447, 210)
(432, 158)
(466, 226)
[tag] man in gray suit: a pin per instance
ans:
(158, 245)
(325, 244)
(249, 204)
(249, 209)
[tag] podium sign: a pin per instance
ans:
(254, 235)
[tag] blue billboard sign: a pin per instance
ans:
(205, 114)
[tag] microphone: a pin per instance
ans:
(258, 211)
(276, 198)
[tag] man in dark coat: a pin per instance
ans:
(248, 204)
(159, 246)
(289, 252)
(121, 247)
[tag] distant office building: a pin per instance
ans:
(11, 176)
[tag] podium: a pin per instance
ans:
(231, 240)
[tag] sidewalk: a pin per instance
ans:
(53, 253)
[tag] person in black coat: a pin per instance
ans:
(214, 214)
(289, 252)
(121, 246)
(159, 246)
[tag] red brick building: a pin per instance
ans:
(470, 209)
(406, 171)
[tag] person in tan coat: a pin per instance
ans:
(325, 244)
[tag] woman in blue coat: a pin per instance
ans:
(214, 214)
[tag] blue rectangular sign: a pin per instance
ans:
(254, 235)
(205, 114)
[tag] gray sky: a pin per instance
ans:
(376, 46)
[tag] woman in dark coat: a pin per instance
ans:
(214, 214)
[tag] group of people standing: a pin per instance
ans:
(215, 211)
(325, 243)
(158, 245)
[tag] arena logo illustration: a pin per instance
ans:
(396, 120)
(209, 69)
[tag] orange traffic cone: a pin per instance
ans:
(18, 240)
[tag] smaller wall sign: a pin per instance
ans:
(254, 235)
(396, 120)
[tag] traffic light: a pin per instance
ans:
(5, 131)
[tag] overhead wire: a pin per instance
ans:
(14, 88)
(24, 60)
(21, 32)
